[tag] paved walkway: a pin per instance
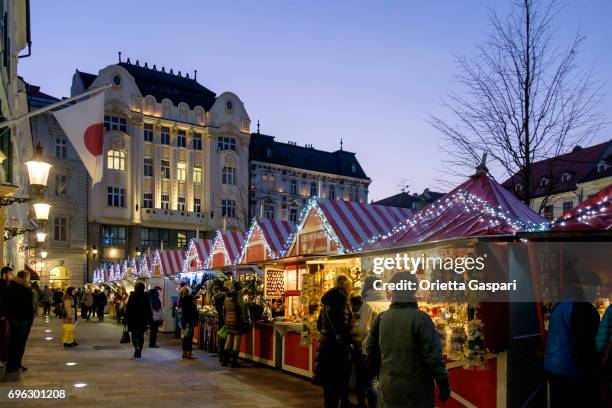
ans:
(160, 379)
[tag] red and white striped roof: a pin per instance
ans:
(276, 233)
(170, 261)
(230, 243)
(201, 249)
(354, 223)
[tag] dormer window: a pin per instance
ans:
(353, 167)
(565, 177)
(602, 166)
(518, 187)
(269, 152)
(544, 182)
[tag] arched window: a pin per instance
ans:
(115, 160)
(150, 105)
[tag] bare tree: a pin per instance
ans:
(404, 184)
(242, 218)
(525, 99)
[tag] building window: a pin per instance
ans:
(165, 169)
(60, 226)
(165, 135)
(355, 194)
(269, 181)
(544, 182)
(332, 192)
(113, 235)
(147, 201)
(60, 148)
(148, 132)
(181, 171)
(229, 175)
(602, 166)
(567, 205)
(181, 204)
(148, 167)
(565, 177)
(313, 188)
(269, 152)
(268, 211)
(116, 197)
(115, 123)
(151, 237)
(294, 187)
(293, 214)
(181, 239)
(353, 167)
(228, 208)
(197, 141)
(518, 187)
(181, 138)
(197, 205)
(165, 201)
(226, 143)
(60, 185)
(548, 212)
(115, 160)
(197, 175)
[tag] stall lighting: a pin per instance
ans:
(94, 251)
(71, 364)
(40, 236)
(41, 211)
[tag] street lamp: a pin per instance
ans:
(41, 211)
(38, 171)
(43, 254)
(94, 251)
(138, 251)
(40, 236)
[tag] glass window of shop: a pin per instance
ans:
(151, 237)
(113, 235)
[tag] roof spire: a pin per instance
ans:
(257, 126)
(341, 143)
(119, 56)
(195, 74)
(482, 167)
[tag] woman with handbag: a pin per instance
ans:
(334, 355)
(189, 313)
(138, 315)
(69, 303)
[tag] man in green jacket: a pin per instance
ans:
(410, 351)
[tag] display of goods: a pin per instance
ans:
(440, 325)
(275, 283)
(456, 337)
(309, 330)
(474, 345)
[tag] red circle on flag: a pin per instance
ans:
(93, 139)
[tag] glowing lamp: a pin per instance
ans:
(38, 170)
(42, 211)
(44, 254)
(40, 236)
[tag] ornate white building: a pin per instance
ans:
(284, 176)
(176, 159)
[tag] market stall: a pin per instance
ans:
(198, 254)
(226, 248)
(593, 214)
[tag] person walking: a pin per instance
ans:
(571, 361)
(333, 358)
(46, 298)
(20, 314)
(234, 325)
(70, 309)
(157, 313)
(102, 301)
(57, 304)
(189, 314)
(138, 316)
(603, 343)
(86, 304)
(6, 275)
(410, 352)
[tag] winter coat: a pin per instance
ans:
(570, 345)
(138, 312)
(604, 332)
(69, 306)
(189, 311)
(88, 299)
(46, 296)
(219, 300)
(4, 284)
(335, 318)
(19, 301)
(57, 297)
(232, 315)
(158, 315)
(411, 356)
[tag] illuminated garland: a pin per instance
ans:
(268, 248)
(494, 216)
(199, 264)
(218, 237)
(586, 214)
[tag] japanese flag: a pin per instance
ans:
(83, 123)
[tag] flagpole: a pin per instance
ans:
(47, 108)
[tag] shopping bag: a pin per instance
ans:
(125, 337)
(222, 333)
(67, 333)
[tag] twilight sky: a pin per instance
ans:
(310, 71)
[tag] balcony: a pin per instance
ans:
(173, 218)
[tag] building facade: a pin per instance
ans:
(15, 141)
(67, 190)
(175, 160)
(561, 183)
(283, 176)
(414, 201)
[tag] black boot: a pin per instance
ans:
(224, 357)
(235, 359)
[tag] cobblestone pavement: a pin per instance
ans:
(159, 379)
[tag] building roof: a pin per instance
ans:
(199, 249)
(276, 233)
(38, 99)
(170, 261)
(477, 207)
(407, 200)
(230, 244)
(594, 213)
(264, 148)
(169, 85)
(86, 78)
(580, 164)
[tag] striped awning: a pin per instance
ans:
(355, 223)
(170, 261)
(276, 233)
(199, 250)
(230, 243)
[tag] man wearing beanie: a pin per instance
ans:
(410, 352)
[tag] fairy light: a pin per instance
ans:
(586, 214)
